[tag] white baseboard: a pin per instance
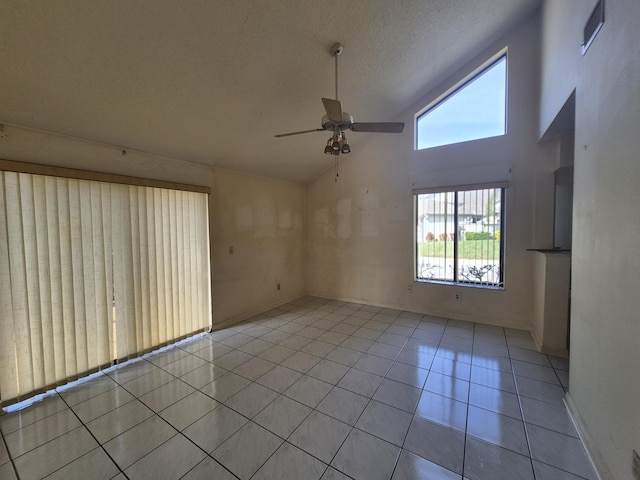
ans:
(431, 312)
(536, 339)
(600, 467)
(251, 313)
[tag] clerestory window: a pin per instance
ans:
(474, 110)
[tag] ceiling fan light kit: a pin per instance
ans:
(337, 121)
(344, 146)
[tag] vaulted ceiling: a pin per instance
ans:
(213, 81)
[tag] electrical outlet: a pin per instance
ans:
(410, 287)
(457, 296)
(635, 462)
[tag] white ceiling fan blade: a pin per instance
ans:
(333, 109)
(378, 127)
(298, 133)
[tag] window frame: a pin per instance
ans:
(500, 285)
(457, 87)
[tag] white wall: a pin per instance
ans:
(562, 23)
(360, 230)
(261, 218)
(605, 332)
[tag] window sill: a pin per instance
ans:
(460, 284)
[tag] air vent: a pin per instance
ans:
(593, 26)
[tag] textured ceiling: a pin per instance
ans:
(213, 81)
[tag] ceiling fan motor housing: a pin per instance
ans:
(347, 121)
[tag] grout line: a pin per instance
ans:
(466, 423)
(92, 436)
(6, 449)
(178, 432)
(415, 409)
(524, 424)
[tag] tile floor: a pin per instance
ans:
(315, 389)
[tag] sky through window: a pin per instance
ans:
(476, 110)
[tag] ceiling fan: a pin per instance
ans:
(337, 121)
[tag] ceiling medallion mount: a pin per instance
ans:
(336, 49)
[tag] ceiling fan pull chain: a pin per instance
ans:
(337, 174)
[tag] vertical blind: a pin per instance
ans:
(94, 272)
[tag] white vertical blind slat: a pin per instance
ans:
(104, 273)
(152, 293)
(66, 275)
(198, 266)
(119, 340)
(43, 347)
(187, 262)
(8, 349)
(194, 320)
(167, 296)
(174, 293)
(32, 331)
(83, 265)
(182, 314)
(55, 287)
(135, 326)
(19, 291)
(158, 237)
(144, 330)
(206, 281)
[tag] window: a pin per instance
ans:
(472, 111)
(459, 236)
